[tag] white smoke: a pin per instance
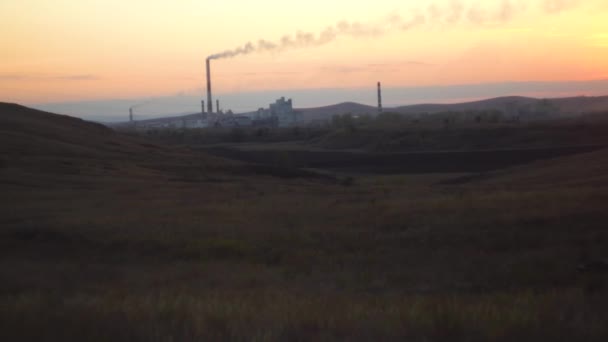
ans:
(304, 39)
(454, 12)
(141, 104)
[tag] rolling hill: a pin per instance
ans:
(567, 106)
(45, 149)
(325, 113)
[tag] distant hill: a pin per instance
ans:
(501, 103)
(566, 105)
(324, 113)
(582, 104)
(569, 106)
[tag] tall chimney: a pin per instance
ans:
(217, 105)
(379, 98)
(131, 114)
(209, 99)
(204, 116)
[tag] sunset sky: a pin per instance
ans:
(74, 50)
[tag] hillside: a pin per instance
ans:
(495, 103)
(45, 149)
(27, 133)
(587, 169)
(567, 106)
(326, 112)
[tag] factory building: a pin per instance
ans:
(281, 113)
(232, 120)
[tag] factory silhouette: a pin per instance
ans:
(281, 113)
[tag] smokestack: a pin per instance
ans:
(131, 114)
(209, 99)
(379, 98)
(217, 105)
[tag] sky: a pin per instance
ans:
(68, 51)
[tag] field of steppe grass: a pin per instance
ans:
(287, 316)
(383, 258)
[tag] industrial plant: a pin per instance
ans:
(278, 114)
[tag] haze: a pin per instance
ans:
(66, 51)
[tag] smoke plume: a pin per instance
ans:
(304, 39)
(141, 104)
(435, 14)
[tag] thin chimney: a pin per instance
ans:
(379, 98)
(209, 99)
(131, 114)
(217, 105)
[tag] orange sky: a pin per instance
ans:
(64, 50)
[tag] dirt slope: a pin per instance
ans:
(587, 169)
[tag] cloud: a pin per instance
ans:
(45, 77)
(271, 73)
(555, 6)
(374, 67)
(418, 63)
(86, 77)
(392, 65)
(344, 69)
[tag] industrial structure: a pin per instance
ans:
(379, 98)
(209, 98)
(280, 113)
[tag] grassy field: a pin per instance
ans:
(155, 243)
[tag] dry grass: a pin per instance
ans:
(385, 259)
(279, 316)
